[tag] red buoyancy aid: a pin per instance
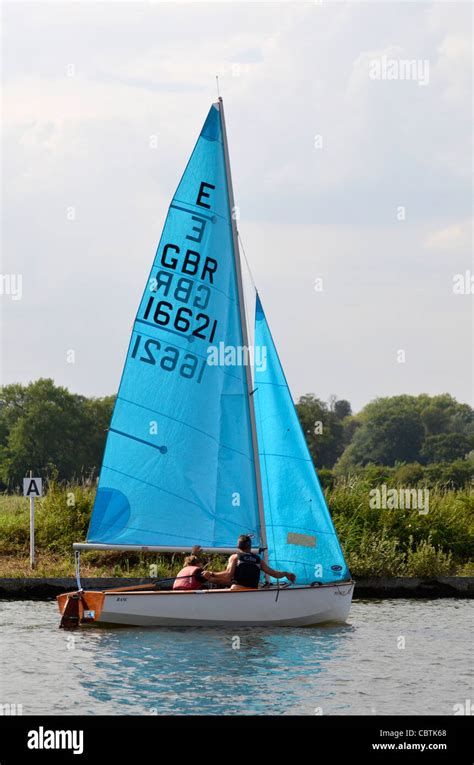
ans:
(186, 579)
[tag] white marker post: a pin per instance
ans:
(32, 487)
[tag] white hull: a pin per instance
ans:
(288, 607)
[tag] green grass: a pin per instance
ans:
(397, 542)
(376, 542)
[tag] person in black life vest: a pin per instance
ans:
(244, 568)
(191, 576)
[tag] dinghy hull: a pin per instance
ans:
(267, 607)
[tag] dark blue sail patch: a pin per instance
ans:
(211, 128)
(111, 514)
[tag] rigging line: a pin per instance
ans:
(248, 266)
(247, 312)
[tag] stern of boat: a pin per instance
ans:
(80, 607)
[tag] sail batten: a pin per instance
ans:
(187, 425)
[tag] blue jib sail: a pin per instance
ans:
(300, 533)
(178, 464)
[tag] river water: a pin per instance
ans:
(393, 657)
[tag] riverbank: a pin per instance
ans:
(36, 588)
(378, 541)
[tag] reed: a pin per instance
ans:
(376, 541)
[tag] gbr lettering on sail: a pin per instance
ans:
(180, 296)
(176, 281)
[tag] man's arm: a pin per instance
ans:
(223, 577)
(277, 574)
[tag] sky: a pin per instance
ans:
(351, 170)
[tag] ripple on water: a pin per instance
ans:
(351, 669)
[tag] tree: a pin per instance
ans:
(99, 413)
(391, 431)
(323, 429)
(342, 409)
(443, 414)
(446, 447)
(43, 426)
(434, 419)
(407, 429)
(452, 474)
(409, 475)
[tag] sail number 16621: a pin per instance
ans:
(182, 319)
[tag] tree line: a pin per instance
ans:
(391, 430)
(46, 428)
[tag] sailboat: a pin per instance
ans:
(201, 450)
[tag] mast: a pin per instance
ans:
(245, 339)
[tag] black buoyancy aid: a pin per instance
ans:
(247, 570)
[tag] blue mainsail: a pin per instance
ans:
(300, 533)
(178, 467)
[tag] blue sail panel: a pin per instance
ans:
(178, 467)
(300, 534)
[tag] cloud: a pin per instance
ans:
(455, 237)
(288, 72)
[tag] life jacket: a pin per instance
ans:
(247, 570)
(186, 579)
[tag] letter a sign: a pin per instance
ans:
(32, 487)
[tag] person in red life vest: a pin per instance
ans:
(244, 568)
(191, 576)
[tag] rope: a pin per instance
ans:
(248, 266)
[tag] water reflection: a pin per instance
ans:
(183, 671)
